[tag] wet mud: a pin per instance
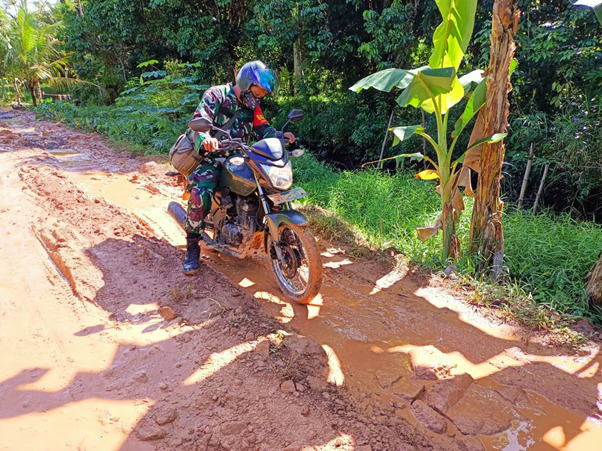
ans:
(101, 330)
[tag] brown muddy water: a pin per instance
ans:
(381, 324)
(394, 336)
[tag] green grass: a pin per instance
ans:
(548, 257)
(511, 301)
(551, 257)
(384, 209)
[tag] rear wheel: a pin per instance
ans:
(299, 274)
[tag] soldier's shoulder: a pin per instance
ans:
(217, 92)
(221, 89)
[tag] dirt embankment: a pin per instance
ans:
(106, 345)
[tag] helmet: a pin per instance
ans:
(257, 73)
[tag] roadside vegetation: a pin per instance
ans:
(548, 257)
(143, 95)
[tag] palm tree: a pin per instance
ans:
(4, 28)
(33, 55)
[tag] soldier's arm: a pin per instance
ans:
(206, 112)
(262, 127)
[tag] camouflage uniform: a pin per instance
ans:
(218, 105)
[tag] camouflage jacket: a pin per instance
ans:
(218, 105)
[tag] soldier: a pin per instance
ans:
(237, 108)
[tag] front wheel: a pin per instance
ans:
(299, 274)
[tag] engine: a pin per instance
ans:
(232, 234)
(241, 226)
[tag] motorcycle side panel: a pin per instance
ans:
(238, 178)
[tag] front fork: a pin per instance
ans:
(273, 232)
(274, 220)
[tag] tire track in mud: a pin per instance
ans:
(416, 343)
(219, 374)
(72, 215)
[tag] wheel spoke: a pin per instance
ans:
(299, 282)
(299, 268)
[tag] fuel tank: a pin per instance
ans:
(237, 176)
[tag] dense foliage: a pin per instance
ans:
(149, 113)
(321, 48)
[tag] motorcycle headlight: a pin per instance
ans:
(281, 178)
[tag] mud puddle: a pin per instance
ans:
(141, 198)
(392, 338)
(395, 338)
(393, 345)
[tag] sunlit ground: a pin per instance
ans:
(326, 330)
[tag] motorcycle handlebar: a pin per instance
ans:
(226, 148)
(227, 145)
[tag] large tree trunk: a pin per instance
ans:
(486, 233)
(594, 286)
(298, 55)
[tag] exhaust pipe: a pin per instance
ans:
(177, 212)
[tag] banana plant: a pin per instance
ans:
(435, 89)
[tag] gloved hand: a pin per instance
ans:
(210, 144)
(290, 137)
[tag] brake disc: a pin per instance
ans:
(291, 262)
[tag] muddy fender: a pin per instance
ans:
(275, 219)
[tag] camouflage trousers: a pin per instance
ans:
(201, 185)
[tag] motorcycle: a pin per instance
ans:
(251, 211)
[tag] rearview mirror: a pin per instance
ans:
(200, 125)
(295, 116)
(298, 152)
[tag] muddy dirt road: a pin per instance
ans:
(105, 345)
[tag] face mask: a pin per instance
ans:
(249, 100)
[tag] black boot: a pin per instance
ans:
(193, 254)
